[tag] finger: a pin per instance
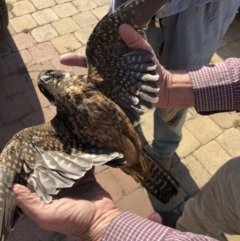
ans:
(132, 38)
(155, 217)
(29, 202)
(73, 59)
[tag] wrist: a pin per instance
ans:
(181, 90)
(176, 90)
(101, 224)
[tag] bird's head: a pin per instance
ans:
(56, 84)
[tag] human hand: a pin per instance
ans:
(143, 71)
(135, 41)
(82, 212)
(175, 86)
(73, 59)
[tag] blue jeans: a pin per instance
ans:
(185, 40)
(168, 123)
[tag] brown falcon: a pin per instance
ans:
(89, 129)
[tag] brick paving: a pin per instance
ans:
(38, 33)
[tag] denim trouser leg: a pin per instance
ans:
(168, 125)
(167, 122)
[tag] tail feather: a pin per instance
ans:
(7, 206)
(160, 182)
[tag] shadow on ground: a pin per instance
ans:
(19, 102)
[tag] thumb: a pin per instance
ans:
(73, 59)
(29, 202)
(132, 38)
(155, 217)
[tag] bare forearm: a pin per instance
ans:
(181, 94)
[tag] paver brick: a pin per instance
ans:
(182, 175)
(231, 35)
(197, 171)
(147, 125)
(110, 184)
(65, 26)
(22, 23)
(22, 7)
(225, 120)
(66, 43)
(136, 202)
(4, 48)
(100, 12)
(36, 99)
(75, 70)
(85, 19)
(216, 59)
(43, 3)
(188, 144)
(233, 49)
(43, 52)
(2, 92)
(65, 10)
(9, 31)
(125, 181)
(4, 70)
(83, 34)
(45, 16)
(62, 1)
(212, 156)
(36, 68)
(222, 44)
(18, 61)
(99, 169)
(13, 108)
(84, 5)
(16, 83)
(20, 41)
(44, 33)
(34, 232)
(81, 50)
(222, 55)
(53, 109)
(38, 117)
(232, 237)
(7, 132)
(203, 128)
(102, 2)
(230, 141)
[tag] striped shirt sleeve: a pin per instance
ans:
(130, 227)
(217, 87)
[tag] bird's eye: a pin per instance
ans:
(45, 78)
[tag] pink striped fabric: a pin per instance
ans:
(130, 227)
(217, 87)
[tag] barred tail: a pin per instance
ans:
(160, 182)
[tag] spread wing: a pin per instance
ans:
(47, 158)
(109, 58)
